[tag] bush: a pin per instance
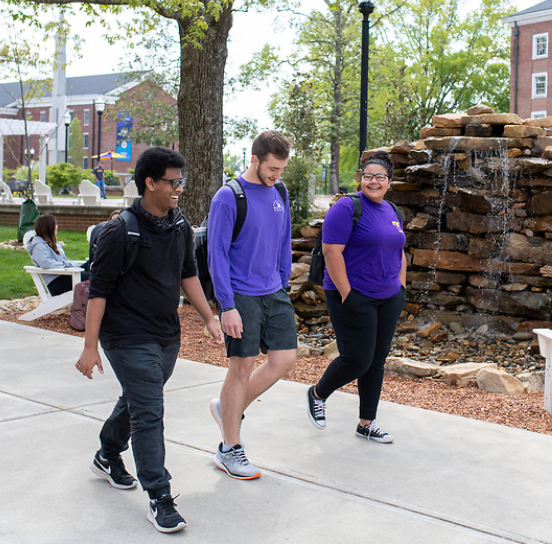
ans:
(63, 175)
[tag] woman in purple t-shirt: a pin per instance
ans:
(365, 293)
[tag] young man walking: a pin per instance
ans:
(134, 316)
(250, 276)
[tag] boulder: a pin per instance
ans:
(462, 374)
(408, 368)
(499, 381)
(303, 350)
(428, 330)
(331, 351)
(532, 381)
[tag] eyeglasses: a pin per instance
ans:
(175, 182)
(377, 177)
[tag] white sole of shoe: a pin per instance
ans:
(179, 527)
(388, 440)
(98, 472)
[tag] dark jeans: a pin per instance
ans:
(62, 284)
(364, 329)
(142, 372)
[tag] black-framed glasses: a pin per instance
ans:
(175, 182)
(377, 177)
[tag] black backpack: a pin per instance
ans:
(241, 212)
(132, 238)
(318, 263)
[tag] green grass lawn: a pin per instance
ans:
(14, 281)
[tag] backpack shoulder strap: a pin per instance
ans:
(241, 206)
(357, 208)
(394, 206)
(281, 189)
(132, 239)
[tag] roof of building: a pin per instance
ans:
(76, 86)
(543, 6)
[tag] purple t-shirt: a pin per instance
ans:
(374, 249)
(259, 261)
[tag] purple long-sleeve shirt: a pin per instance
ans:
(259, 261)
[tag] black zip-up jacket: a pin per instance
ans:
(142, 304)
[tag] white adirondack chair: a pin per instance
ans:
(545, 346)
(130, 193)
(43, 193)
(89, 194)
(6, 192)
(49, 304)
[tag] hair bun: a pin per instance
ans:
(381, 155)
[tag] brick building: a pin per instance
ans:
(83, 94)
(531, 61)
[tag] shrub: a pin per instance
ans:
(63, 175)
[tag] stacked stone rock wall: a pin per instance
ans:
(475, 193)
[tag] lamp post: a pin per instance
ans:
(366, 8)
(244, 150)
(100, 107)
(67, 122)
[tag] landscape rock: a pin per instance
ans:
(532, 381)
(409, 368)
(499, 381)
(331, 351)
(463, 374)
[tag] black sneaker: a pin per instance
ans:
(113, 470)
(317, 409)
(162, 513)
(372, 432)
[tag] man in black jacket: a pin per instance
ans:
(134, 316)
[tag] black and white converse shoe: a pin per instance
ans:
(317, 409)
(373, 432)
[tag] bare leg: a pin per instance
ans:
(279, 363)
(233, 397)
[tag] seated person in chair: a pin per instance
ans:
(46, 252)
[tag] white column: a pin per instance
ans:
(42, 159)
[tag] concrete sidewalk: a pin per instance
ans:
(446, 479)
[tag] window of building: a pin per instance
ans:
(539, 84)
(85, 140)
(538, 114)
(86, 117)
(42, 116)
(540, 46)
(85, 163)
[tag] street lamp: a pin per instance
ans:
(67, 122)
(100, 107)
(365, 8)
(244, 150)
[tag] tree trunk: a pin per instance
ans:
(200, 101)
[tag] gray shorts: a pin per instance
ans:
(268, 324)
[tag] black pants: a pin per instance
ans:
(142, 371)
(62, 284)
(364, 329)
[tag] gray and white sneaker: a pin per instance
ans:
(373, 432)
(216, 412)
(317, 409)
(235, 463)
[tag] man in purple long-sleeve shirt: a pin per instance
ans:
(250, 276)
